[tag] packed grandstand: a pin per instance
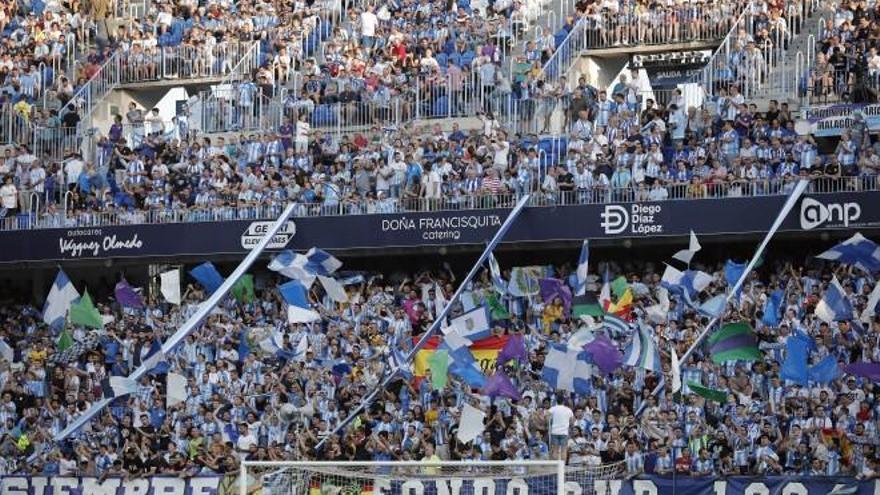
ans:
(628, 325)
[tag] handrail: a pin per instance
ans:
(85, 92)
(707, 191)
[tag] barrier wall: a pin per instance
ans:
(643, 485)
(846, 210)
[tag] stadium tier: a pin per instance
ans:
(469, 247)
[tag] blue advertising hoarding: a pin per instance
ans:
(845, 210)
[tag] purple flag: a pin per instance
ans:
(605, 354)
(515, 348)
(553, 287)
(871, 371)
(127, 297)
(499, 385)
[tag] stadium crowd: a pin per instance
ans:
(247, 400)
(621, 146)
(846, 61)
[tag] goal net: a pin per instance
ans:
(419, 478)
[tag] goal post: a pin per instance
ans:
(402, 478)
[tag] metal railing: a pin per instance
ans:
(71, 216)
(233, 60)
(428, 97)
(765, 68)
(15, 127)
(661, 26)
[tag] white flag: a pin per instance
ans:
(471, 425)
(873, 301)
(334, 289)
(686, 255)
(176, 389)
(170, 286)
(676, 372)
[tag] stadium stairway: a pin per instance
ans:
(786, 81)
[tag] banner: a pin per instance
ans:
(843, 210)
(736, 485)
(84, 485)
(832, 120)
(542, 484)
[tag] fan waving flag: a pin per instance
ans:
(857, 251)
(61, 296)
(642, 352)
(686, 255)
(170, 286)
(734, 342)
(825, 371)
(127, 297)
(117, 386)
(616, 327)
(473, 325)
(515, 348)
(243, 289)
(567, 369)
(482, 352)
(773, 307)
(497, 280)
(499, 385)
(604, 353)
(708, 393)
(299, 310)
(207, 276)
(732, 272)
(797, 351)
(552, 288)
(84, 313)
(293, 265)
(586, 304)
(321, 262)
(834, 305)
(864, 369)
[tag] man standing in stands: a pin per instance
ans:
(560, 424)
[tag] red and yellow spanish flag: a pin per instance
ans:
(623, 305)
(485, 352)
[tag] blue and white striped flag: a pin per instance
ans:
(857, 251)
(567, 369)
(293, 265)
(497, 281)
(616, 327)
(834, 305)
(117, 386)
(58, 302)
(582, 267)
(642, 352)
(321, 262)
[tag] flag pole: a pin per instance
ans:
(496, 239)
(796, 193)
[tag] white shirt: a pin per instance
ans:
(37, 178)
(245, 442)
(8, 196)
(560, 419)
(369, 21)
(73, 169)
(501, 151)
(302, 131)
